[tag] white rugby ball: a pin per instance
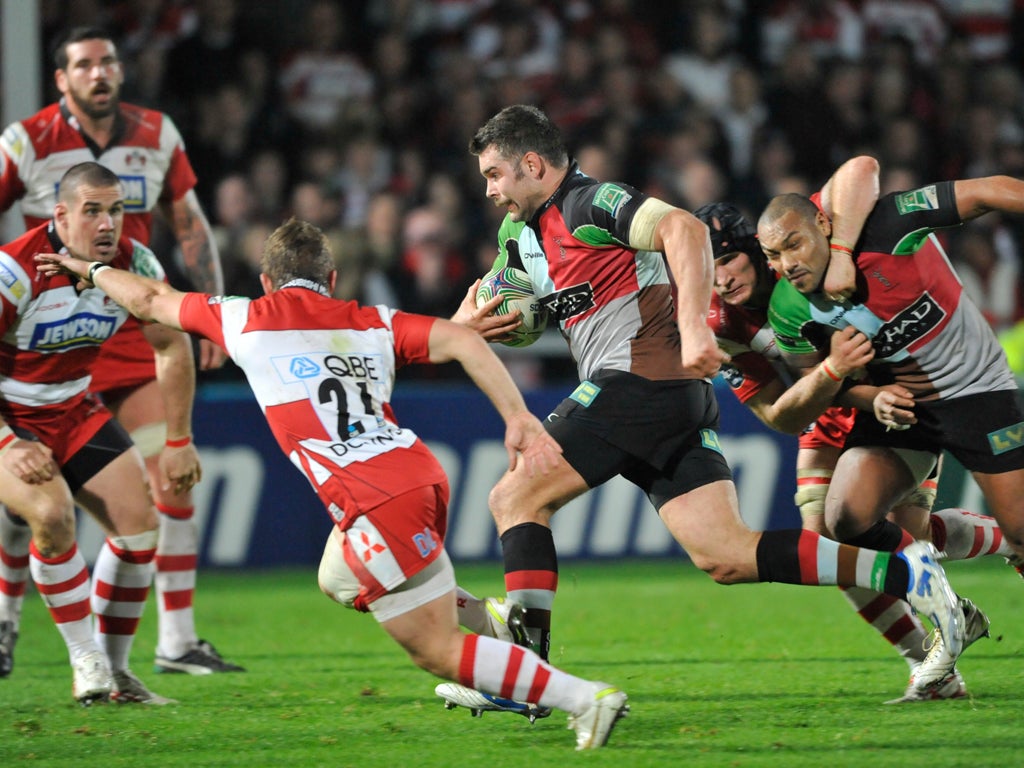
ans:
(517, 291)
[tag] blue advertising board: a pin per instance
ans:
(254, 509)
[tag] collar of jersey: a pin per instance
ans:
(312, 285)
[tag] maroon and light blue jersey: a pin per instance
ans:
(927, 334)
(744, 333)
(613, 303)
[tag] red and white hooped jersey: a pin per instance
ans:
(323, 371)
(148, 155)
(50, 332)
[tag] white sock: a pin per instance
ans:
(472, 612)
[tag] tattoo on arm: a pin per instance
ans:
(199, 253)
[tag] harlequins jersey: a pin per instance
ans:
(613, 303)
(927, 334)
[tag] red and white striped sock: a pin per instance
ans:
(964, 535)
(892, 618)
(177, 553)
(63, 583)
(513, 672)
(121, 580)
(15, 537)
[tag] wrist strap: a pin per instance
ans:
(841, 248)
(180, 442)
(827, 371)
(95, 267)
(7, 437)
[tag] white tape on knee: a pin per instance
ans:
(922, 496)
(336, 579)
(810, 494)
(150, 438)
(137, 542)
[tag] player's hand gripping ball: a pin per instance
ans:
(517, 291)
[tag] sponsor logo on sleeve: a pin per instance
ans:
(611, 198)
(10, 280)
(585, 393)
(144, 262)
(924, 199)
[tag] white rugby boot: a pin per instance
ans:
(506, 619)
(937, 677)
(91, 679)
(594, 726)
(477, 702)
(929, 593)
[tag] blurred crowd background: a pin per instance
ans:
(356, 114)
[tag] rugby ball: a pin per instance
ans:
(517, 291)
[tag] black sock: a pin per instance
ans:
(883, 536)
(531, 563)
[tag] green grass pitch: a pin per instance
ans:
(751, 675)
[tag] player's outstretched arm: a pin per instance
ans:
(975, 197)
(791, 410)
(524, 434)
(144, 297)
(482, 320)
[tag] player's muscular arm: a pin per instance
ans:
(201, 260)
(524, 434)
(847, 198)
(975, 197)
(176, 375)
(791, 410)
(144, 297)
(198, 248)
(684, 240)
